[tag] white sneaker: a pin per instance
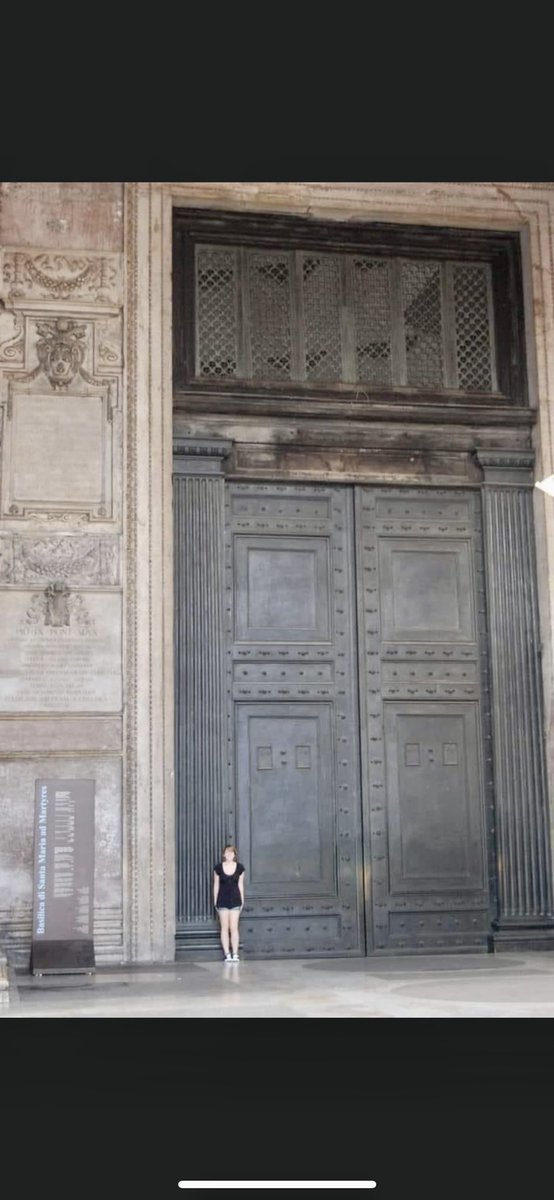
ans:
(235, 958)
(228, 958)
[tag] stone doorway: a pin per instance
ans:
(332, 714)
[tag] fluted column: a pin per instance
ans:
(200, 731)
(525, 907)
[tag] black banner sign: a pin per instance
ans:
(63, 891)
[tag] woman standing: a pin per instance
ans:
(229, 900)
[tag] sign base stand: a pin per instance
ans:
(73, 957)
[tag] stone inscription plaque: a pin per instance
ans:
(63, 886)
(73, 666)
(58, 449)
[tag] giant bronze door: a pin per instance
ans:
(426, 742)
(293, 716)
(338, 718)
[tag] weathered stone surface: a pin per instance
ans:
(58, 455)
(57, 215)
(51, 735)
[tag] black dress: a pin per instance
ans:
(229, 892)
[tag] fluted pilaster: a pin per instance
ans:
(201, 761)
(522, 828)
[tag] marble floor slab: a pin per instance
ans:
(502, 985)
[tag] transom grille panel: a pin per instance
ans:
(216, 306)
(270, 315)
(472, 300)
(422, 312)
(332, 319)
(321, 285)
(372, 316)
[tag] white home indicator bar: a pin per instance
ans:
(302, 1183)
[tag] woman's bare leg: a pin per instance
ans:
(234, 920)
(224, 915)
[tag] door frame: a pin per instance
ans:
(209, 458)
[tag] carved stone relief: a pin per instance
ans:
(6, 560)
(56, 606)
(60, 351)
(40, 275)
(11, 338)
(108, 340)
(63, 349)
(76, 560)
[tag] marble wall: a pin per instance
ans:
(61, 360)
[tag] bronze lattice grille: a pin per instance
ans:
(310, 316)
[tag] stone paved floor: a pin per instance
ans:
(501, 985)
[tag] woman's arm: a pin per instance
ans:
(241, 887)
(216, 888)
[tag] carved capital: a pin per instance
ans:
(501, 468)
(200, 456)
